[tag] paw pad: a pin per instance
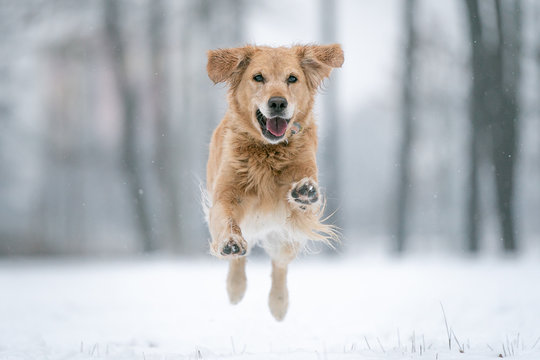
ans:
(233, 247)
(305, 193)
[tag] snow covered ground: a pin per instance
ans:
(340, 309)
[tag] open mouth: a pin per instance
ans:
(272, 128)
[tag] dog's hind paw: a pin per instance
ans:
(278, 302)
(304, 194)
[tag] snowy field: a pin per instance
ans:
(339, 309)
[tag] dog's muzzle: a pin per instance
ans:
(272, 128)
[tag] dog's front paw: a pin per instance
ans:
(304, 194)
(233, 246)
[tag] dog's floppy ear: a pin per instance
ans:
(317, 61)
(227, 65)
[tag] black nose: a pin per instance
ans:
(277, 103)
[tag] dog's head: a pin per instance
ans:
(270, 88)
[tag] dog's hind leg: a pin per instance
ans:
(278, 300)
(282, 252)
(236, 280)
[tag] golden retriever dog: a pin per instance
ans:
(262, 173)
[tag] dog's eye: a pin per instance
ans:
(258, 78)
(292, 79)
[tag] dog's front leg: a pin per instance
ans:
(304, 192)
(304, 195)
(228, 242)
(224, 217)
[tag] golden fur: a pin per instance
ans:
(254, 182)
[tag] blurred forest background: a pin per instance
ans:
(430, 133)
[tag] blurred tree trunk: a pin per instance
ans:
(219, 24)
(537, 13)
(331, 157)
(184, 111)
(130, 153)
(407, 106)
(196, 104)
(494, 110)
(477, 119)
(166, 163)
(505, 121)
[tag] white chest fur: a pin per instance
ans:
(257, 224)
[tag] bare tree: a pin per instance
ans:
(330, 148)
(193, 116)
(504, 125)
(130, 153)
(407, 108)
(478, 121)
(166, 161)
(494, 110)
(217, 24)
(537, 15)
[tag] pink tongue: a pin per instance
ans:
(277, 126)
